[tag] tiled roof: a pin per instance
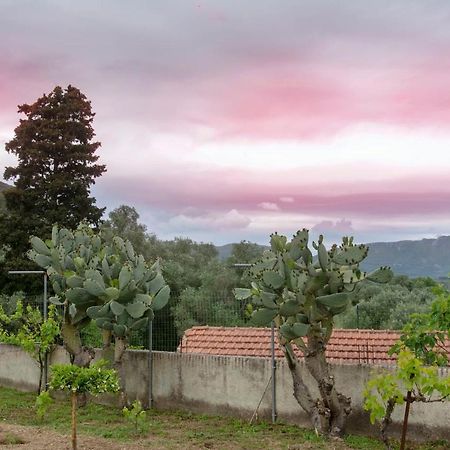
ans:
(347, 346)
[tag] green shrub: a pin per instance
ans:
(137, 416)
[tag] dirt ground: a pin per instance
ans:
(34, 438)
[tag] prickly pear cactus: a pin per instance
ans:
(100, 278)
(301, 293)
(127, 290)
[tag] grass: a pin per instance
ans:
(176, 429)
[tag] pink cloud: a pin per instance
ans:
(341, 227)
(225, 71)
(224, 190)
(269, 206)
(210, 221)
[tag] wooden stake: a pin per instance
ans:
(74, 421)
(405, 421)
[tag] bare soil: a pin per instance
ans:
(34, 438)
(42, 438)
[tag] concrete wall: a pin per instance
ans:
(18, 370)
(232, 386)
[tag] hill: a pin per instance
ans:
(427, 257)
(3, 186)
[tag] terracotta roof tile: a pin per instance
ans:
(351, 346)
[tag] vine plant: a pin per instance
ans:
(34, 334)
(421, 351)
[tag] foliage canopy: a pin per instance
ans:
(57, 165)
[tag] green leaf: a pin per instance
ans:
(136, 310)
(381, 275)
(105, 268)
(74, 281)
(268, 300)
(78, 317)
(124, 277)
(161, 298)
(289, 308)
(156, 284)
(43, 261)
(350, 255)
(294, 331)
(119, 330)
(323, 257)
(78, 296)
(139, 324)
(55, 235)
(242, 294)
(116, 308)
(56, 288)
(104, 323)
(273, 279)
(94, 288)
(144, 298)
(277, 242)
(55, 301)
(80, 263)
(302, 318)
(39, 246)
(340, 299)
(93, 311)
(263, 316)
(112, 293)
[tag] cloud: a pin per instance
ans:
(268, 206)
(228, 221)
(287, 199)
(285, 97)
(341, 226)
(322, 68)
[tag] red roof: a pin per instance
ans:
(348, 346)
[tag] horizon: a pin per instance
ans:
(213, 128)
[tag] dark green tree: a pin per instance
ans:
(55, 148)
(123, 222)
(245, 252)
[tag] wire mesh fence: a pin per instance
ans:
(220, 310)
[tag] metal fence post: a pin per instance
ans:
(45, 297)
(45, 318)
(274, 368)
(150, 364)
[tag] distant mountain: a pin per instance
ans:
(4, 186)
(427, 257)
(224, 251)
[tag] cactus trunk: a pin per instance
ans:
(81, 356)
(336, 406)
(328, 413)
(119, 351)
(301, 390)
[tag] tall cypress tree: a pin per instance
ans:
(55, 148)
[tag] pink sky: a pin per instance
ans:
(228, 120)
